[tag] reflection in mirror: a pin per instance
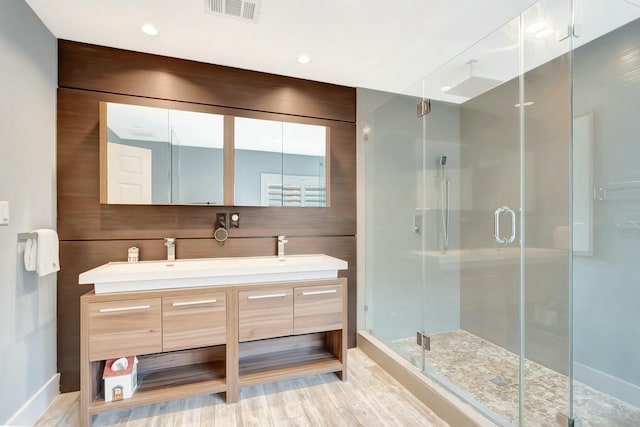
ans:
(160, 156)
(257, 152)
(280, 163)
(196, 158)
(138, 153)
(152, 155)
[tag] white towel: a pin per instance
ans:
(30, 254)
(48, 252)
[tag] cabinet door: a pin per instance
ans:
(317, 309)
(124, 328)
(198, 320)
(265, 313)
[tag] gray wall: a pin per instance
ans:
(607, 284)
(400, 188)
(197, 175)
(28, 76)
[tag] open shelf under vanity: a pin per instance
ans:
(169, 376)
(287, 358)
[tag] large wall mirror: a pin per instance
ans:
(280, 163)
(153, 155)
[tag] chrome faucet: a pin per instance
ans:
(281, 241)
(170, 243)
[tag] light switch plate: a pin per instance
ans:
(4, 213)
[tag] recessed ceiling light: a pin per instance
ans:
(445, 88)
(304, 59)
(149, 30)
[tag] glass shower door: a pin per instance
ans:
(472, 185)
(496, 190)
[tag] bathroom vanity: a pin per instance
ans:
(203, 339)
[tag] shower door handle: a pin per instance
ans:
(513, 225)
(496, 225)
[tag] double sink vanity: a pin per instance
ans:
(204, 326)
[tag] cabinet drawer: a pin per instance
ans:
(317, 309)
(265, 314)
(194, 321)
(124, 328)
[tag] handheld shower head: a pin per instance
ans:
(443, 160)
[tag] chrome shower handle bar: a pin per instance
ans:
(496, 225)
(513, 225)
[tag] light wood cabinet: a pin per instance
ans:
(199, 341)
(265, 313)
(317, 308)
(124, 328)
(191, 321)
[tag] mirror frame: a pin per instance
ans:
(228, 146)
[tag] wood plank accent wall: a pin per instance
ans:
(109, 70)
(92, 234)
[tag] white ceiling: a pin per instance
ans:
(537, 36)
(384, 45)
(376, 44)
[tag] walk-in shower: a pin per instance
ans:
(514, 244)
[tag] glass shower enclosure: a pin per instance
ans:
(502, 214)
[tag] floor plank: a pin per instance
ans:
(370, 397)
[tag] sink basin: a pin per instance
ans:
(187, 273)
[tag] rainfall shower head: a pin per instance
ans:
(473, 85)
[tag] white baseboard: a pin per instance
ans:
(33, 408)
(608, 384)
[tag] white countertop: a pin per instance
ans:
(150, 275)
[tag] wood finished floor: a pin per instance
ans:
(370, 397)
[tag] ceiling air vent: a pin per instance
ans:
(243, 10)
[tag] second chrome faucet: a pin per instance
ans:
(170, 243)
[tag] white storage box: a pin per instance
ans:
(120, 384)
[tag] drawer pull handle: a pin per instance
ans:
(266, 296)
(331, 291)
(134, 307)
(204, 301)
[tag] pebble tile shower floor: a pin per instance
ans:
(489, 374)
